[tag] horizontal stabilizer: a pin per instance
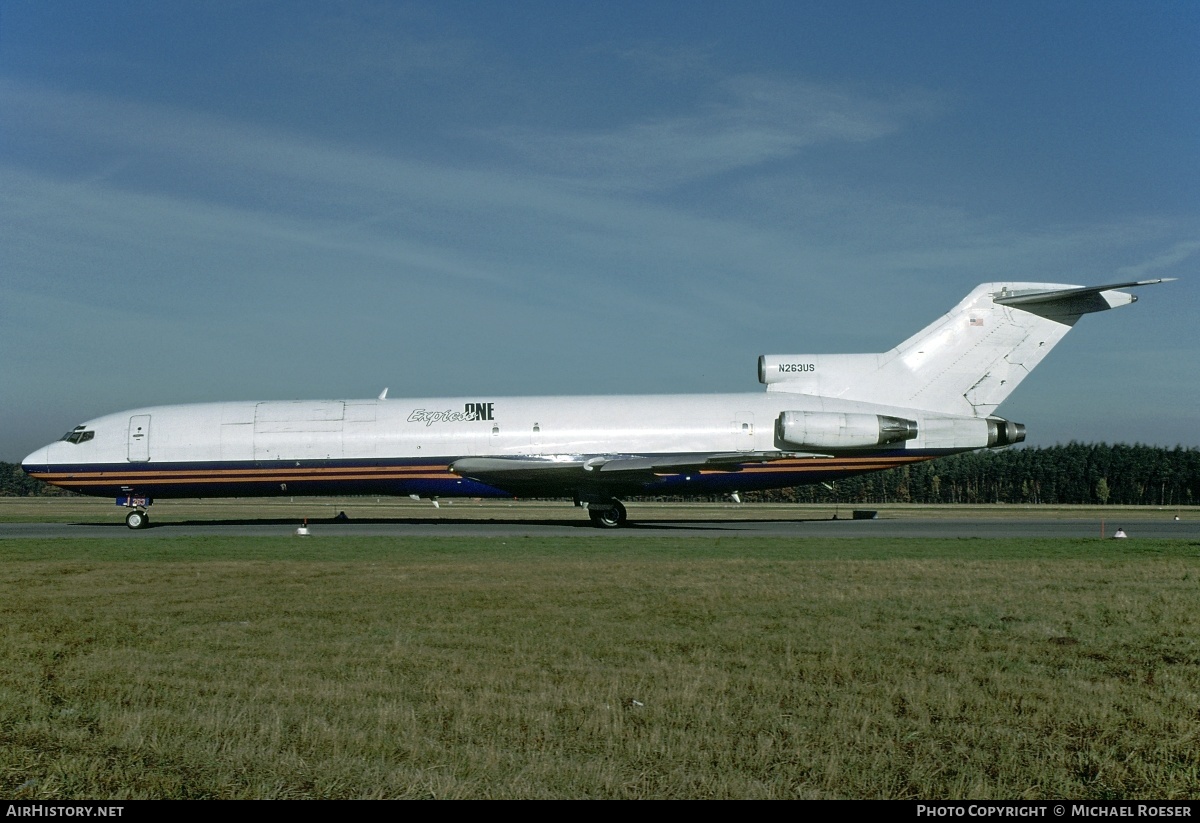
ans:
(1080, 300)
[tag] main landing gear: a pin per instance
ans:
(608, 515)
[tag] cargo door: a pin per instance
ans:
(305, 430)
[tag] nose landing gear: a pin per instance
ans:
(137, 518)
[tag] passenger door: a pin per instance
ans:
(139, 438)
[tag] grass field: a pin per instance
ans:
(232, 667)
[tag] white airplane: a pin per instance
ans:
(822, 417)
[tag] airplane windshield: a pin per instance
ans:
(78, 435)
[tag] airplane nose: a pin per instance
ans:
(37, 461)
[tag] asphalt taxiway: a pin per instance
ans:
(577, 527)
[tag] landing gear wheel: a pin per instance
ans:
(137, 520)
(611, 517)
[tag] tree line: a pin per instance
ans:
(1077, 473)
(15, 483)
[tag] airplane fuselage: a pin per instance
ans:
(406, 446)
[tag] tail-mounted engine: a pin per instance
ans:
(943, 432)
(1004, 433)
(833, 430)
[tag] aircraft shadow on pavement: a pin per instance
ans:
(573, 522)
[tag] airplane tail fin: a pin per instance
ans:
(964, 363)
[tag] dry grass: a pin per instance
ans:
(639, 667)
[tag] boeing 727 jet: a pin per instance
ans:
(822, 417)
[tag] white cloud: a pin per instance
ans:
(1170, 258)
(752, 120)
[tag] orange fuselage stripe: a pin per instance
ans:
(341, 474)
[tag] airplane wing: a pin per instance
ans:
(621, 470)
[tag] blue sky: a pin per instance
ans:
(227, 201)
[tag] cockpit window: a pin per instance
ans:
(78, 435)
